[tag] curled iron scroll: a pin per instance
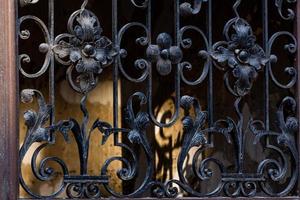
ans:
(290, 48)
(187, 43)
(290, 13)
(143, 4)
(43, 48)
(137, 123)
(187, 9)
(285, 147)
(141, 63)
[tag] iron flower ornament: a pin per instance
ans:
(85, 49)
(90, 51)
(241, 54)
(164, 54)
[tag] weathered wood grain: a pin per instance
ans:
(8, 103)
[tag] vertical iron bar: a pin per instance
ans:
(149, 84)
(265, 45)
(52, 64)
(210, 75)
(177, 43)
(115, 69)
(149, 27)
(297, 33)
(176, 22)
(148, 20)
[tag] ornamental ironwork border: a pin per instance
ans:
(87, 52)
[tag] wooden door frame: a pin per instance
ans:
(8, 103)
(9, 129)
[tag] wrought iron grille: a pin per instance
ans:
(241, 58)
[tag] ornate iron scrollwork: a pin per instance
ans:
(39, 132)
(87, 53)
(286, 140)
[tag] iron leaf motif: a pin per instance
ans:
(288, 125)
(36, 122)
(193, 127)
(241, 54)
(138, 122)
(84, 48)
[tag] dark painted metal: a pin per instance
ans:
(84, 50)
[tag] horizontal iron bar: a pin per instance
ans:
(85, 179)
(242, 177)
(211, 198)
